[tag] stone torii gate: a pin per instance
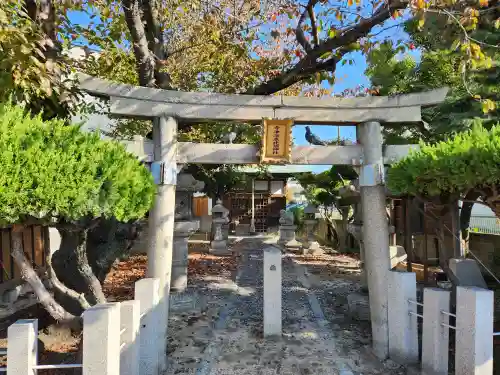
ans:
(165, 108)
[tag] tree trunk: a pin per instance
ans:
(29, 275)
(109, 241)
(71, 257)
(145, 60)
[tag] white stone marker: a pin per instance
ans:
(435, 337)
(474, 331)
(101, 340)
(147, 291)
(272, 291)
(130, 320)
(403, 333)
(22, 347)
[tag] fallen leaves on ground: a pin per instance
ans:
(201, 265)
(119, 284)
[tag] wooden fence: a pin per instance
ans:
(35, 244)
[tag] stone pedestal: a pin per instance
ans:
(287, 234)
(219, 218)
(182, 231)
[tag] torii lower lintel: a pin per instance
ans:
(214, 153)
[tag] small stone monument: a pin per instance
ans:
(311, 246)
(287, 231)
(184, 226)
(219, 217)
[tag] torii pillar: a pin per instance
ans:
(161, 226)
(375, 233)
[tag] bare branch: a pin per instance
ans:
(312, 17)
(299, 33)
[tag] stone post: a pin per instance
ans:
(287, 231)
(219, 217)
(311, 246)
(185, 225)
(474, 331)
(22, 338)
(130, 320)
(147, 293)
(435, 336)
(272, 291)
(101, 340)
(161, 220)
(375, 233)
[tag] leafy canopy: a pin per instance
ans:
(474, 90)
(53, 172)
(469, 160)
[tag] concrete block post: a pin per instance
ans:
(147, 292)
(130, 320)
(161, 221)
(403, 332)
(435, 336)
(474, 331)
(272, 291)
(375, 233)
(101, 340)
(22, 347)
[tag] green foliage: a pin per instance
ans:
(441, 64)
(322, 189)
(469, 160)
(56, 173)
(298, 217)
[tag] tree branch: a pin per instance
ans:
(309, 64)
(29, 275)
(312, 17)
(145, 60)
(156, 42)
(63, 289)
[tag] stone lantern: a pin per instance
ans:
(184, 226)
(287, 231)
(219, 218)
(311, 246)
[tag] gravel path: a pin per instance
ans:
(216, 327)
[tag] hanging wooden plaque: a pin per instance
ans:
(276, 141)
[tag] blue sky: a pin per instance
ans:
(347, 77)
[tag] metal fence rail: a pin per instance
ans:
(484, 225)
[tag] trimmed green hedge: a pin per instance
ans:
(54, 172)
(467, 160)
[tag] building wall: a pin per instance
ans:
(487, 248)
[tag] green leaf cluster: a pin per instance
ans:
(52, 172)
(394, 72)
(469, 160)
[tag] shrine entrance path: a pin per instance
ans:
(215, 327)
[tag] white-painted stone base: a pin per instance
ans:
(474, 331)
(101, 340)
(147, 292)
(22, 347)
(272, 291)
(403, 334)
(435, 336)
